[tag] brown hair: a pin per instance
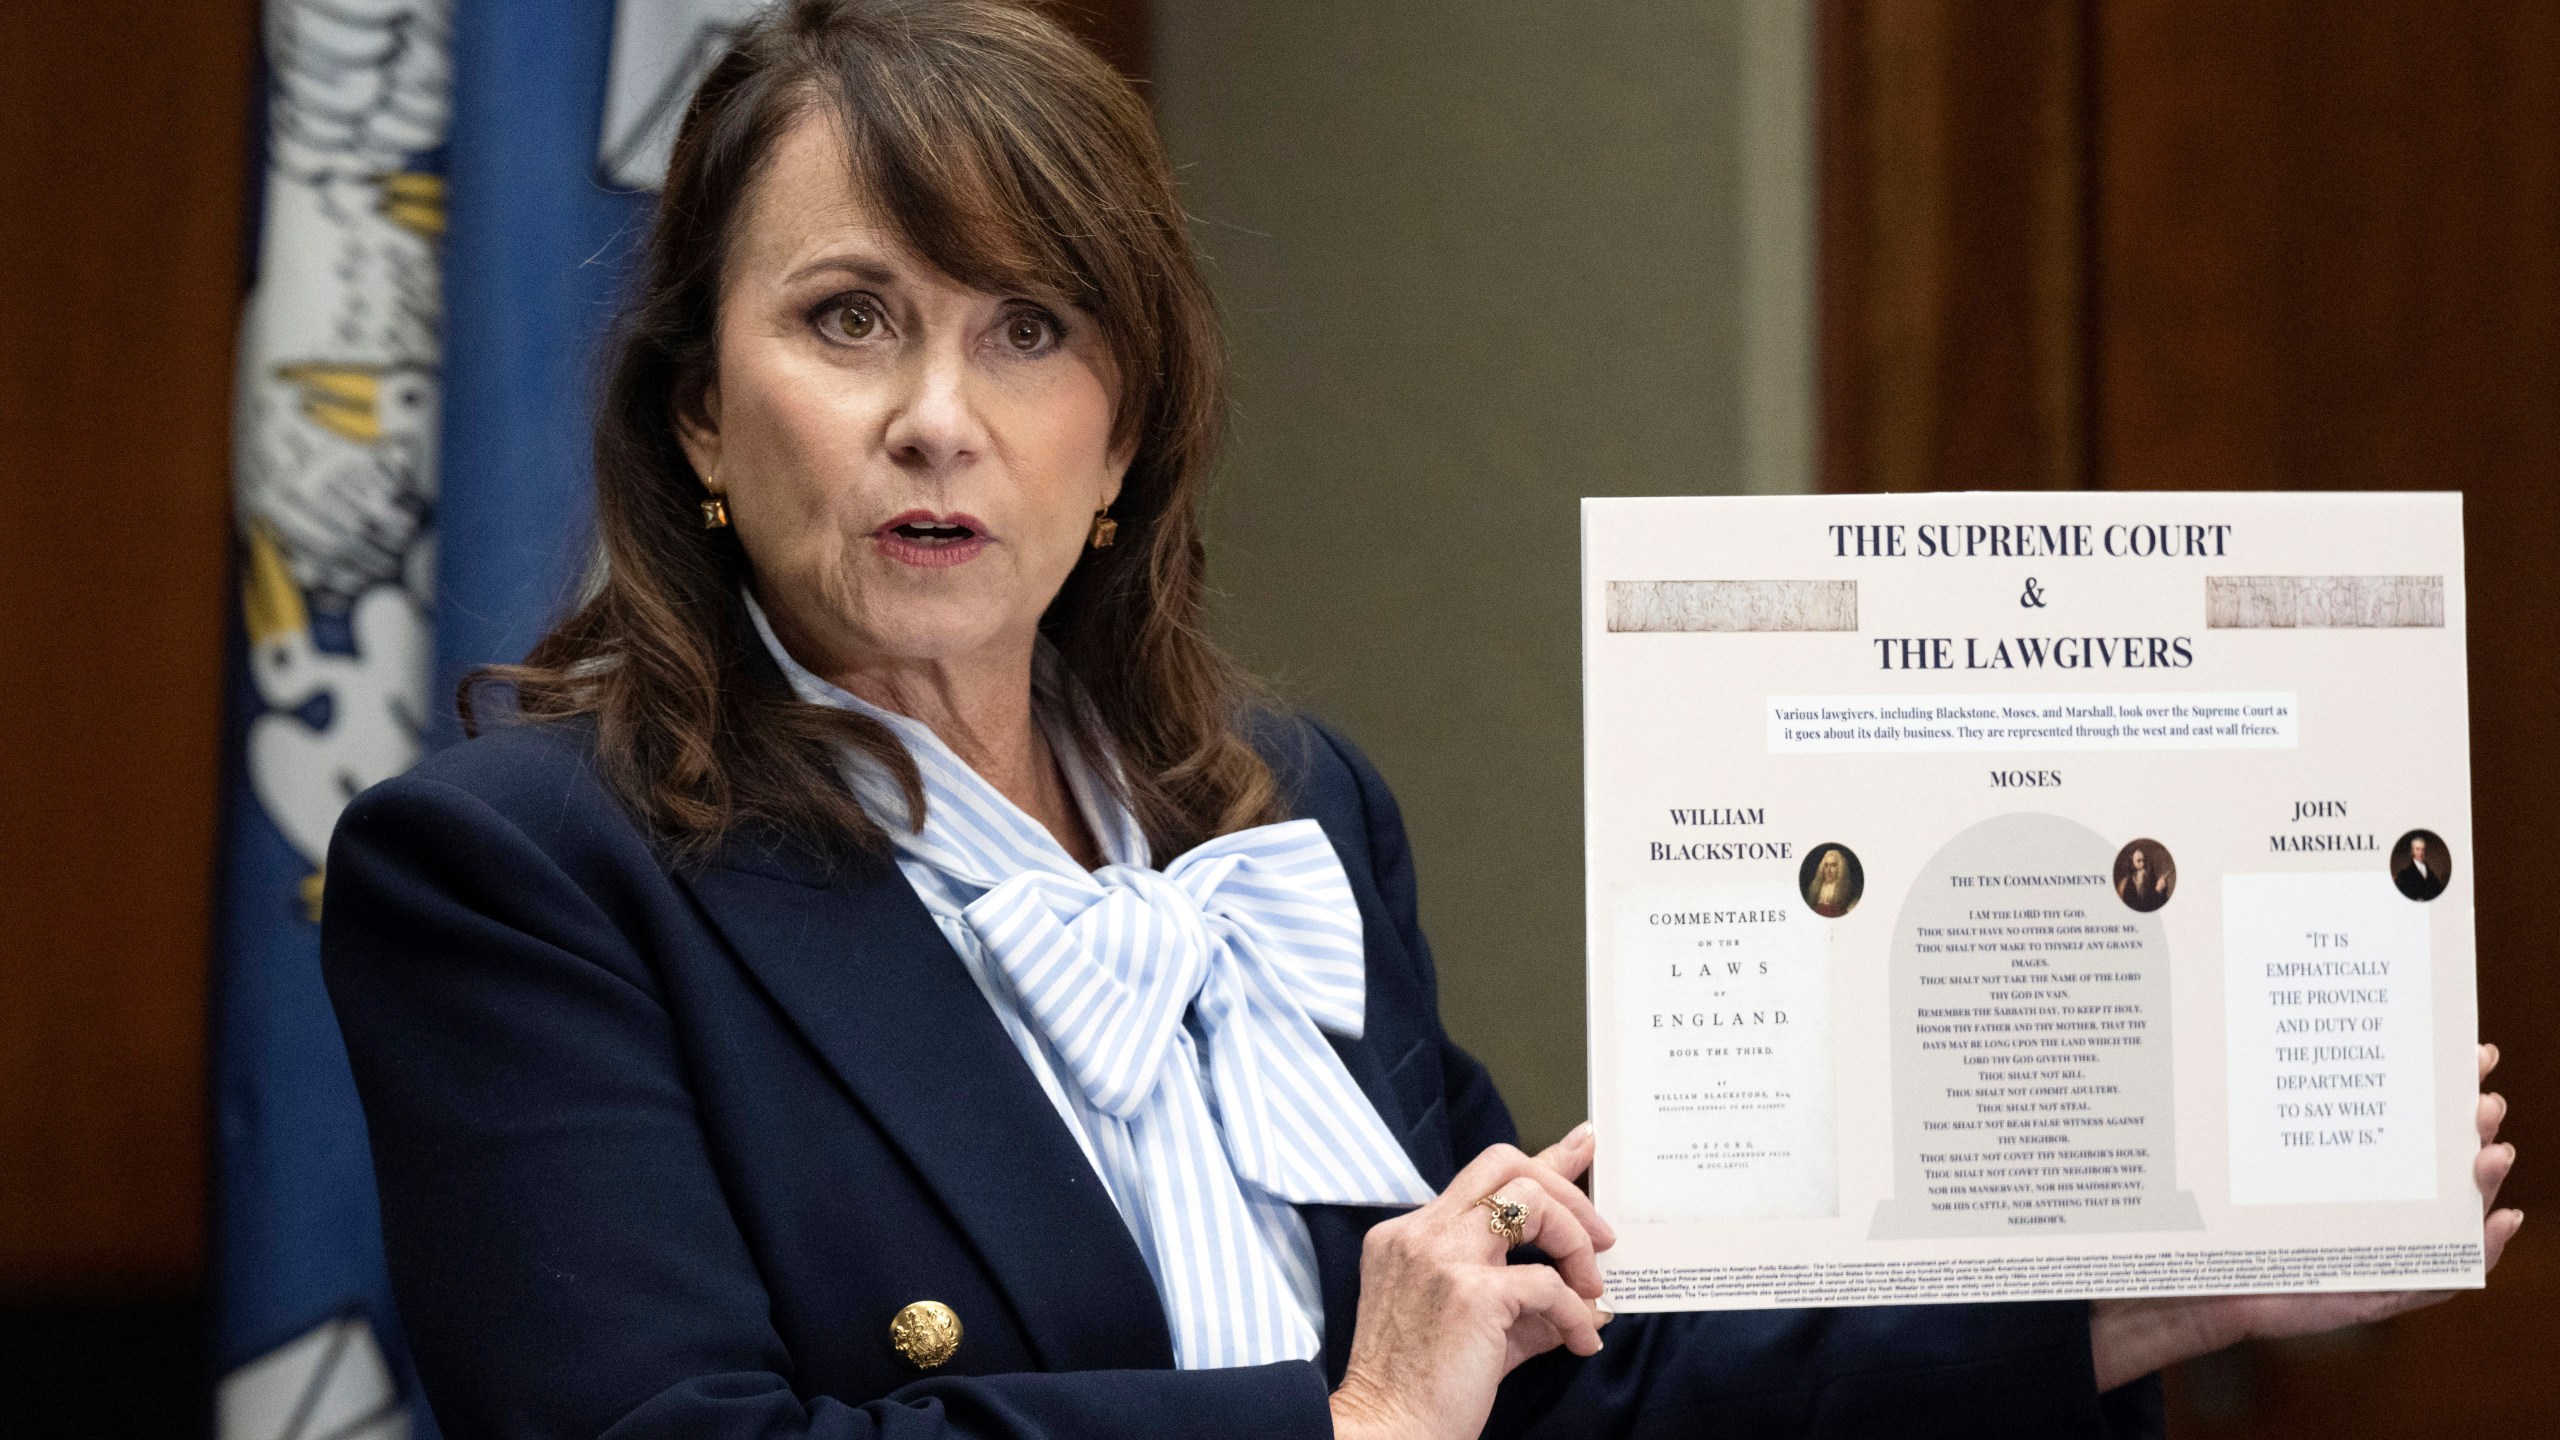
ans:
(1011, 158)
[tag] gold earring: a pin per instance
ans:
(1105, 530)
(715, 511)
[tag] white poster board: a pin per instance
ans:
(2009, 896)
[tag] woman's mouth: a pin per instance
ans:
(930, 541)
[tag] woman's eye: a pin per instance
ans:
(853, 319)
(1029, 332)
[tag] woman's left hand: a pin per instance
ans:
(2132, 1338)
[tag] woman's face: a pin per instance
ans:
(912, 465)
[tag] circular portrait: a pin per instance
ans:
(2421, 865)
(1832, 880)
(2145, 875)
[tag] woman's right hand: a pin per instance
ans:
(1442, 1318)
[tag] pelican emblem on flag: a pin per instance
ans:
(339, 408)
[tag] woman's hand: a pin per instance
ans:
(1443, 1318)
(2132, 1338)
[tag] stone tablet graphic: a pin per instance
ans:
(2031, 1072)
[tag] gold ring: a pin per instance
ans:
(1509, 1220)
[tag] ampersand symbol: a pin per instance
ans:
(2034, 598)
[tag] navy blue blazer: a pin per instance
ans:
(661, 1151)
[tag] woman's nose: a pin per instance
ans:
(936, 427)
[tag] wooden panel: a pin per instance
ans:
(123, 127)
(2330, 259)
(1954, 244)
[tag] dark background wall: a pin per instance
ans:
(121, 241)
(123, 127)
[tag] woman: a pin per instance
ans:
(894, 981)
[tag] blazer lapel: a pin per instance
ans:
(870, 981)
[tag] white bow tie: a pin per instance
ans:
(1257, 933)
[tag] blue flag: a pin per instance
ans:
(564, 111)
(335, 435)
(454, 190)
(537, 258)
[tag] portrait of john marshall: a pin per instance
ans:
(2421, 865)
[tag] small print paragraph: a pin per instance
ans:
(2164, 1272)
(1836, 724)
